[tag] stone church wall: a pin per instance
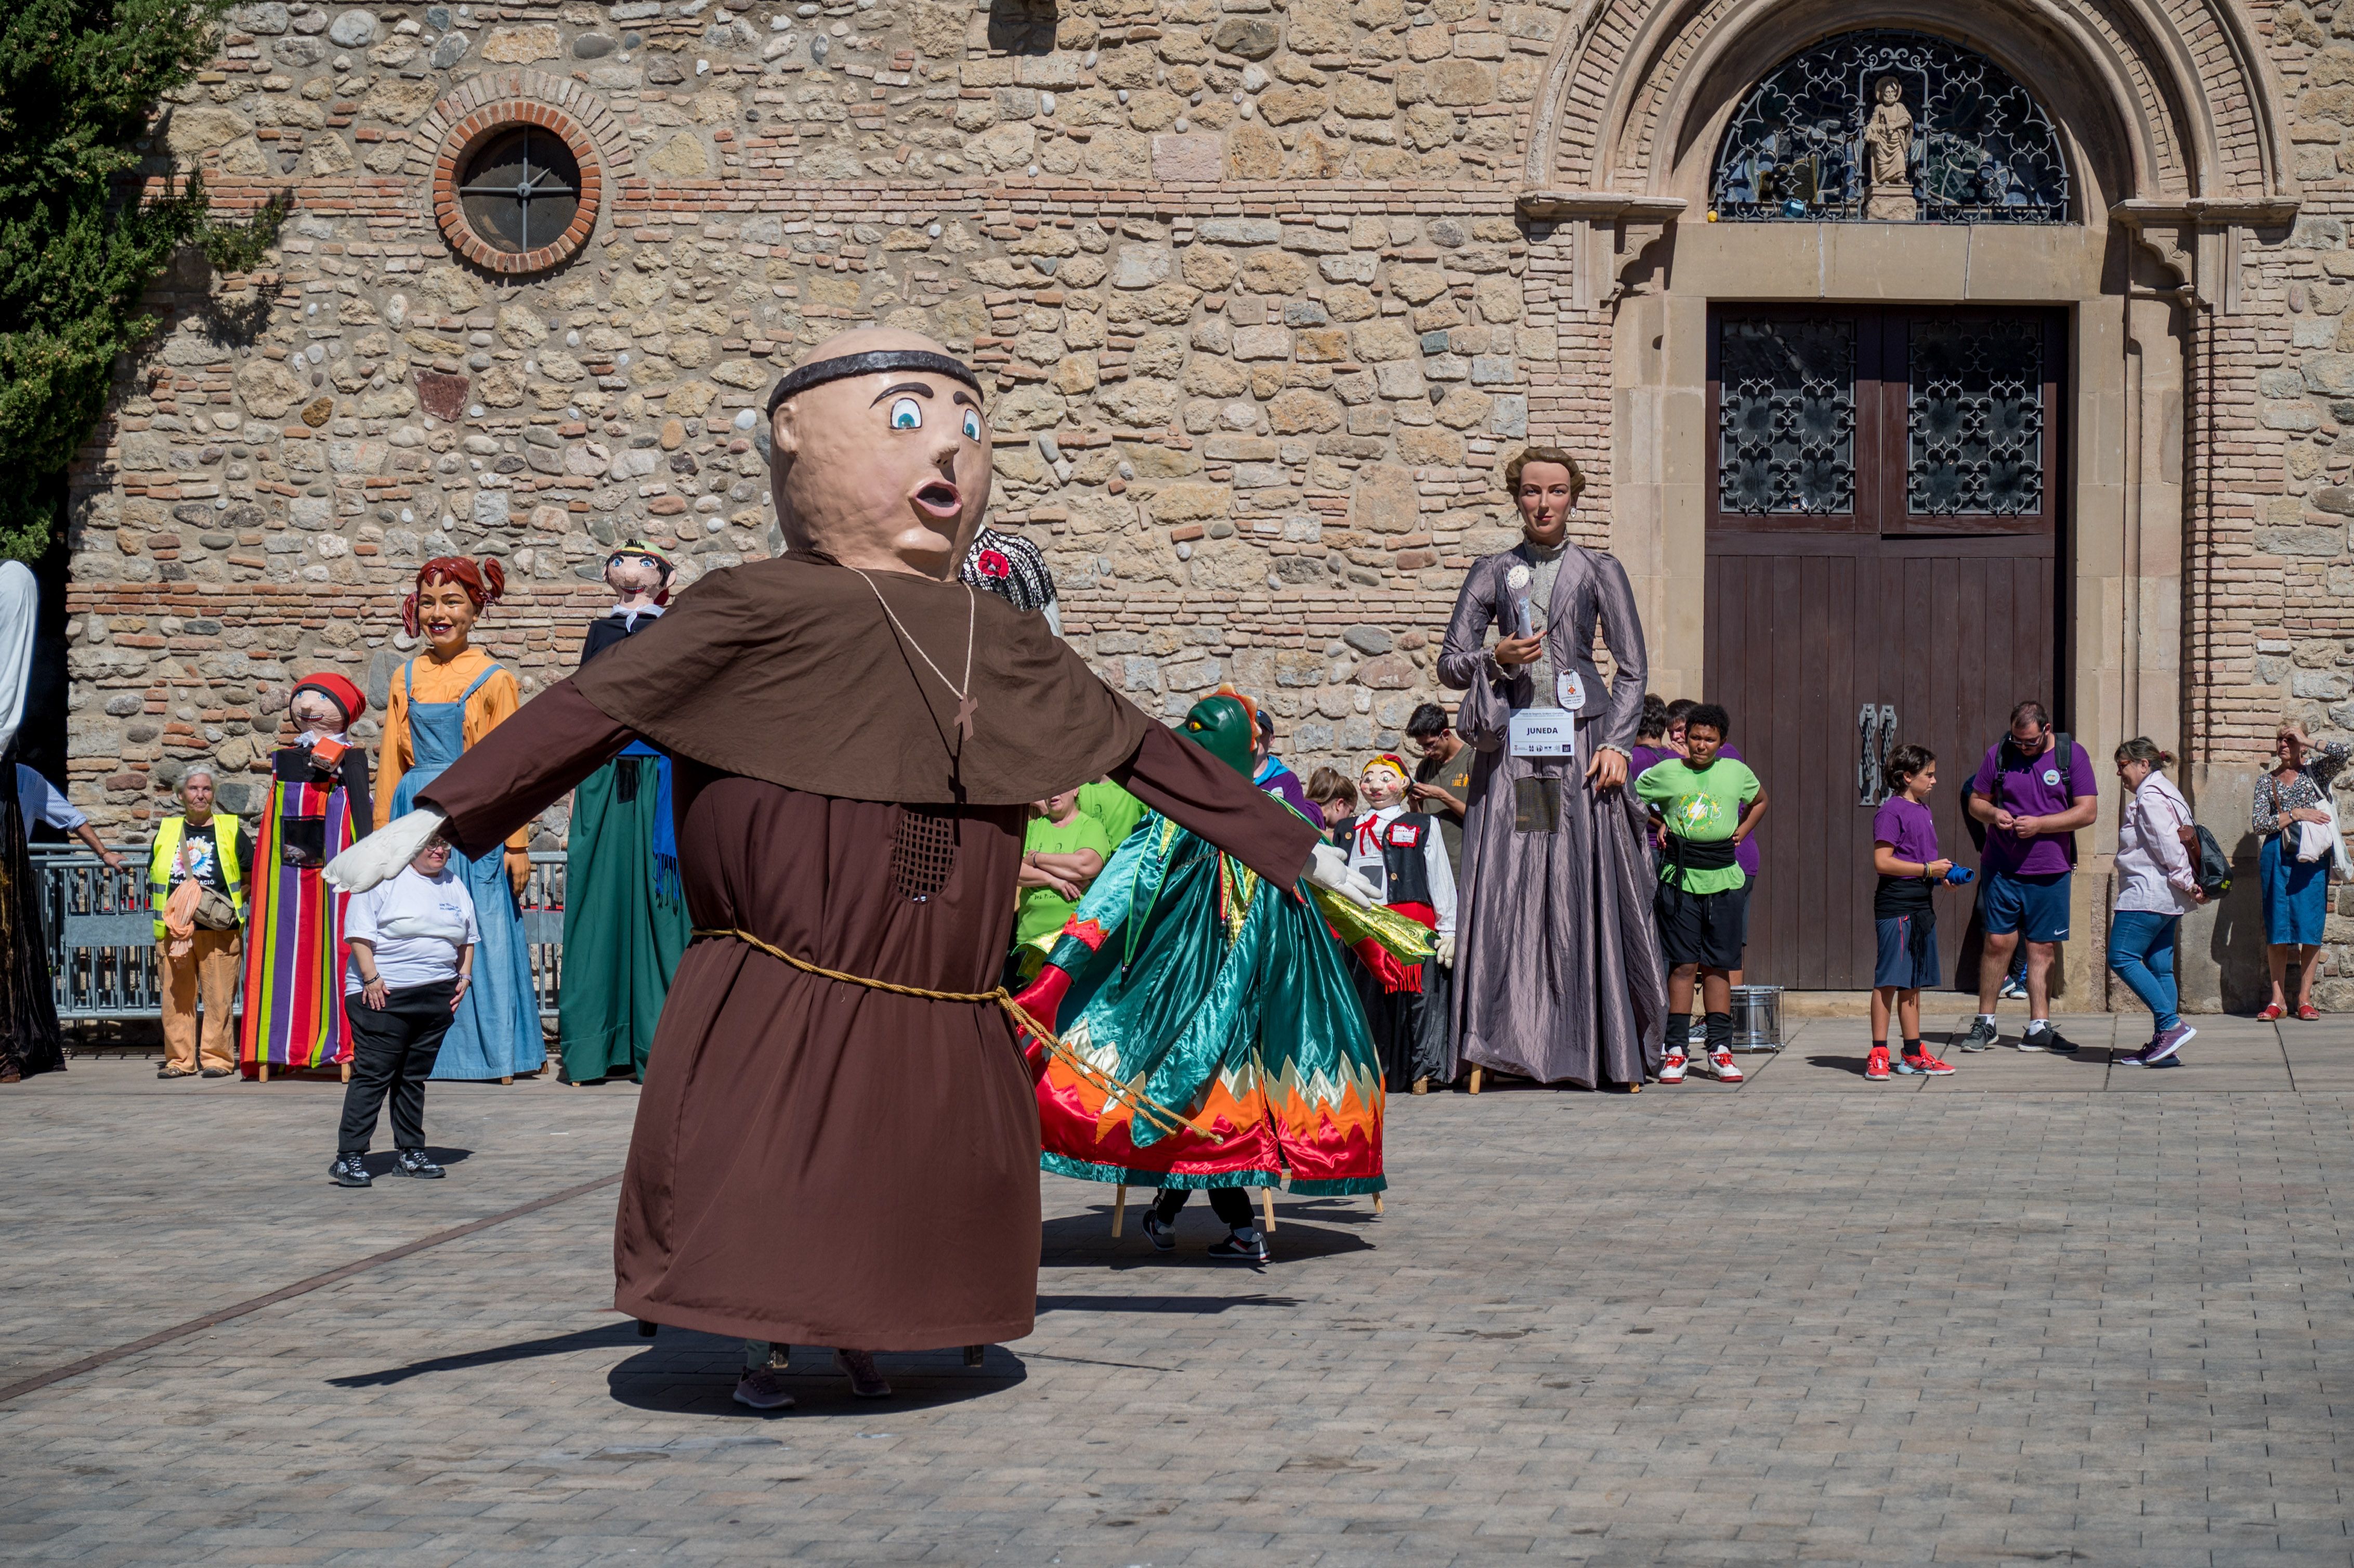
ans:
(1249, 276)
(1260, 315)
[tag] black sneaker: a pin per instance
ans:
(2045, 1037)
(1245, 1245)
(350, 1171)
(1160, 1232)
(1982, 1037)
(415, 1162)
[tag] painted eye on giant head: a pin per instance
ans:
(973, 424)
(906, 415)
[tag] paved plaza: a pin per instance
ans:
(2047, 1310)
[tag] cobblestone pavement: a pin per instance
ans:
(2048, 1309)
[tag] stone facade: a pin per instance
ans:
(1268, 292)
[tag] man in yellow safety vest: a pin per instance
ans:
(211, 849)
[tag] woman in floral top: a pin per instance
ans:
(2297, 893)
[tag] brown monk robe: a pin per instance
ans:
(817, 1162)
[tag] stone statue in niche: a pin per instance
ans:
(1888, 156)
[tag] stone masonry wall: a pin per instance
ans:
(1262, 319)
(1260, 315)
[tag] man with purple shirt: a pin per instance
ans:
(2032, 796)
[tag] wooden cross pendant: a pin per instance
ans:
(965, 708)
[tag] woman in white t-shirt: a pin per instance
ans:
(412, 939)
(2157, 884)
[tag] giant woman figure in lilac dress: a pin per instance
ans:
(1557, 975)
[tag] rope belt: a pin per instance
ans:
(1161, 1116)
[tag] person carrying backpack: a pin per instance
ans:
(2030, 796)
(2158, 885)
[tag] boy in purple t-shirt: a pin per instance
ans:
(1905, 853)
(2033, 796)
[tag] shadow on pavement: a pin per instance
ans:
(618, 1332)
(686, 1373)
(1085, 1241)
(381, 1162)
(1203, 1306)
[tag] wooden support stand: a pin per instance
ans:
(1266, 1210)
(265, 1072)
(1422, 1086)
(347, 1072)
(1475, 1080)
(1119, 1210)
(507, 1078)
(1377, 1203)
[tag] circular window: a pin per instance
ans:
(515, 187)
(521, 190)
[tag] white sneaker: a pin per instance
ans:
(1721, 1067)
(1672, 1071)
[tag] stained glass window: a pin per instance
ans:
(1889, 126)
(1786, 416)
(1974, 419)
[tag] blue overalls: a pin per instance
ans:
(496, 1030)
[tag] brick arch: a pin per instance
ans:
(2171, 99)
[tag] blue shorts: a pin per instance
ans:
(1908, 951)
(2035, 906)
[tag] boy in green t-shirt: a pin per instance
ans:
(1707, 804)
(1062, 852)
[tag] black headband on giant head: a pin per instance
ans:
(817, 372)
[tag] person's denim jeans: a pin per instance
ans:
(2141, 949)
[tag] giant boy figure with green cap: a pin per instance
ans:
(1193, 983)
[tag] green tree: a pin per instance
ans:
(79, 80)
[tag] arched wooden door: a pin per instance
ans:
(1884, 552)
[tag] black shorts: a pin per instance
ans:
(1708, 929)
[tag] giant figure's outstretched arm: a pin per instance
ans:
(1205, 796)
(500, 783)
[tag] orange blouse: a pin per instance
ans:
(438, 682)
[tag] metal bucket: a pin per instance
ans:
(1757, 1018)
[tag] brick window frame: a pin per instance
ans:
(502, 100)
(462, 140)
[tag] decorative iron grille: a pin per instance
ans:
(1786, 417)
(1974, 419)
(1801, 146)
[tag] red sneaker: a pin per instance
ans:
(1927, 1067)
(1875, 1065)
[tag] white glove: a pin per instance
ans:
(1445, 954)
(383, 852)
(1328, 868)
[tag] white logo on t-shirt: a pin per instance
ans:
(2052, 776)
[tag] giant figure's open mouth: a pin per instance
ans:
(940, 501)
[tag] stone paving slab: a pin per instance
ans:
(1811, 1319)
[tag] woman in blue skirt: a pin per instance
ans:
(2296, 891)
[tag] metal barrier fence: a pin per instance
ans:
(101, 933)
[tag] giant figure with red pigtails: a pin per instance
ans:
(443, 703)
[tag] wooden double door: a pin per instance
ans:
(1884, 490)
